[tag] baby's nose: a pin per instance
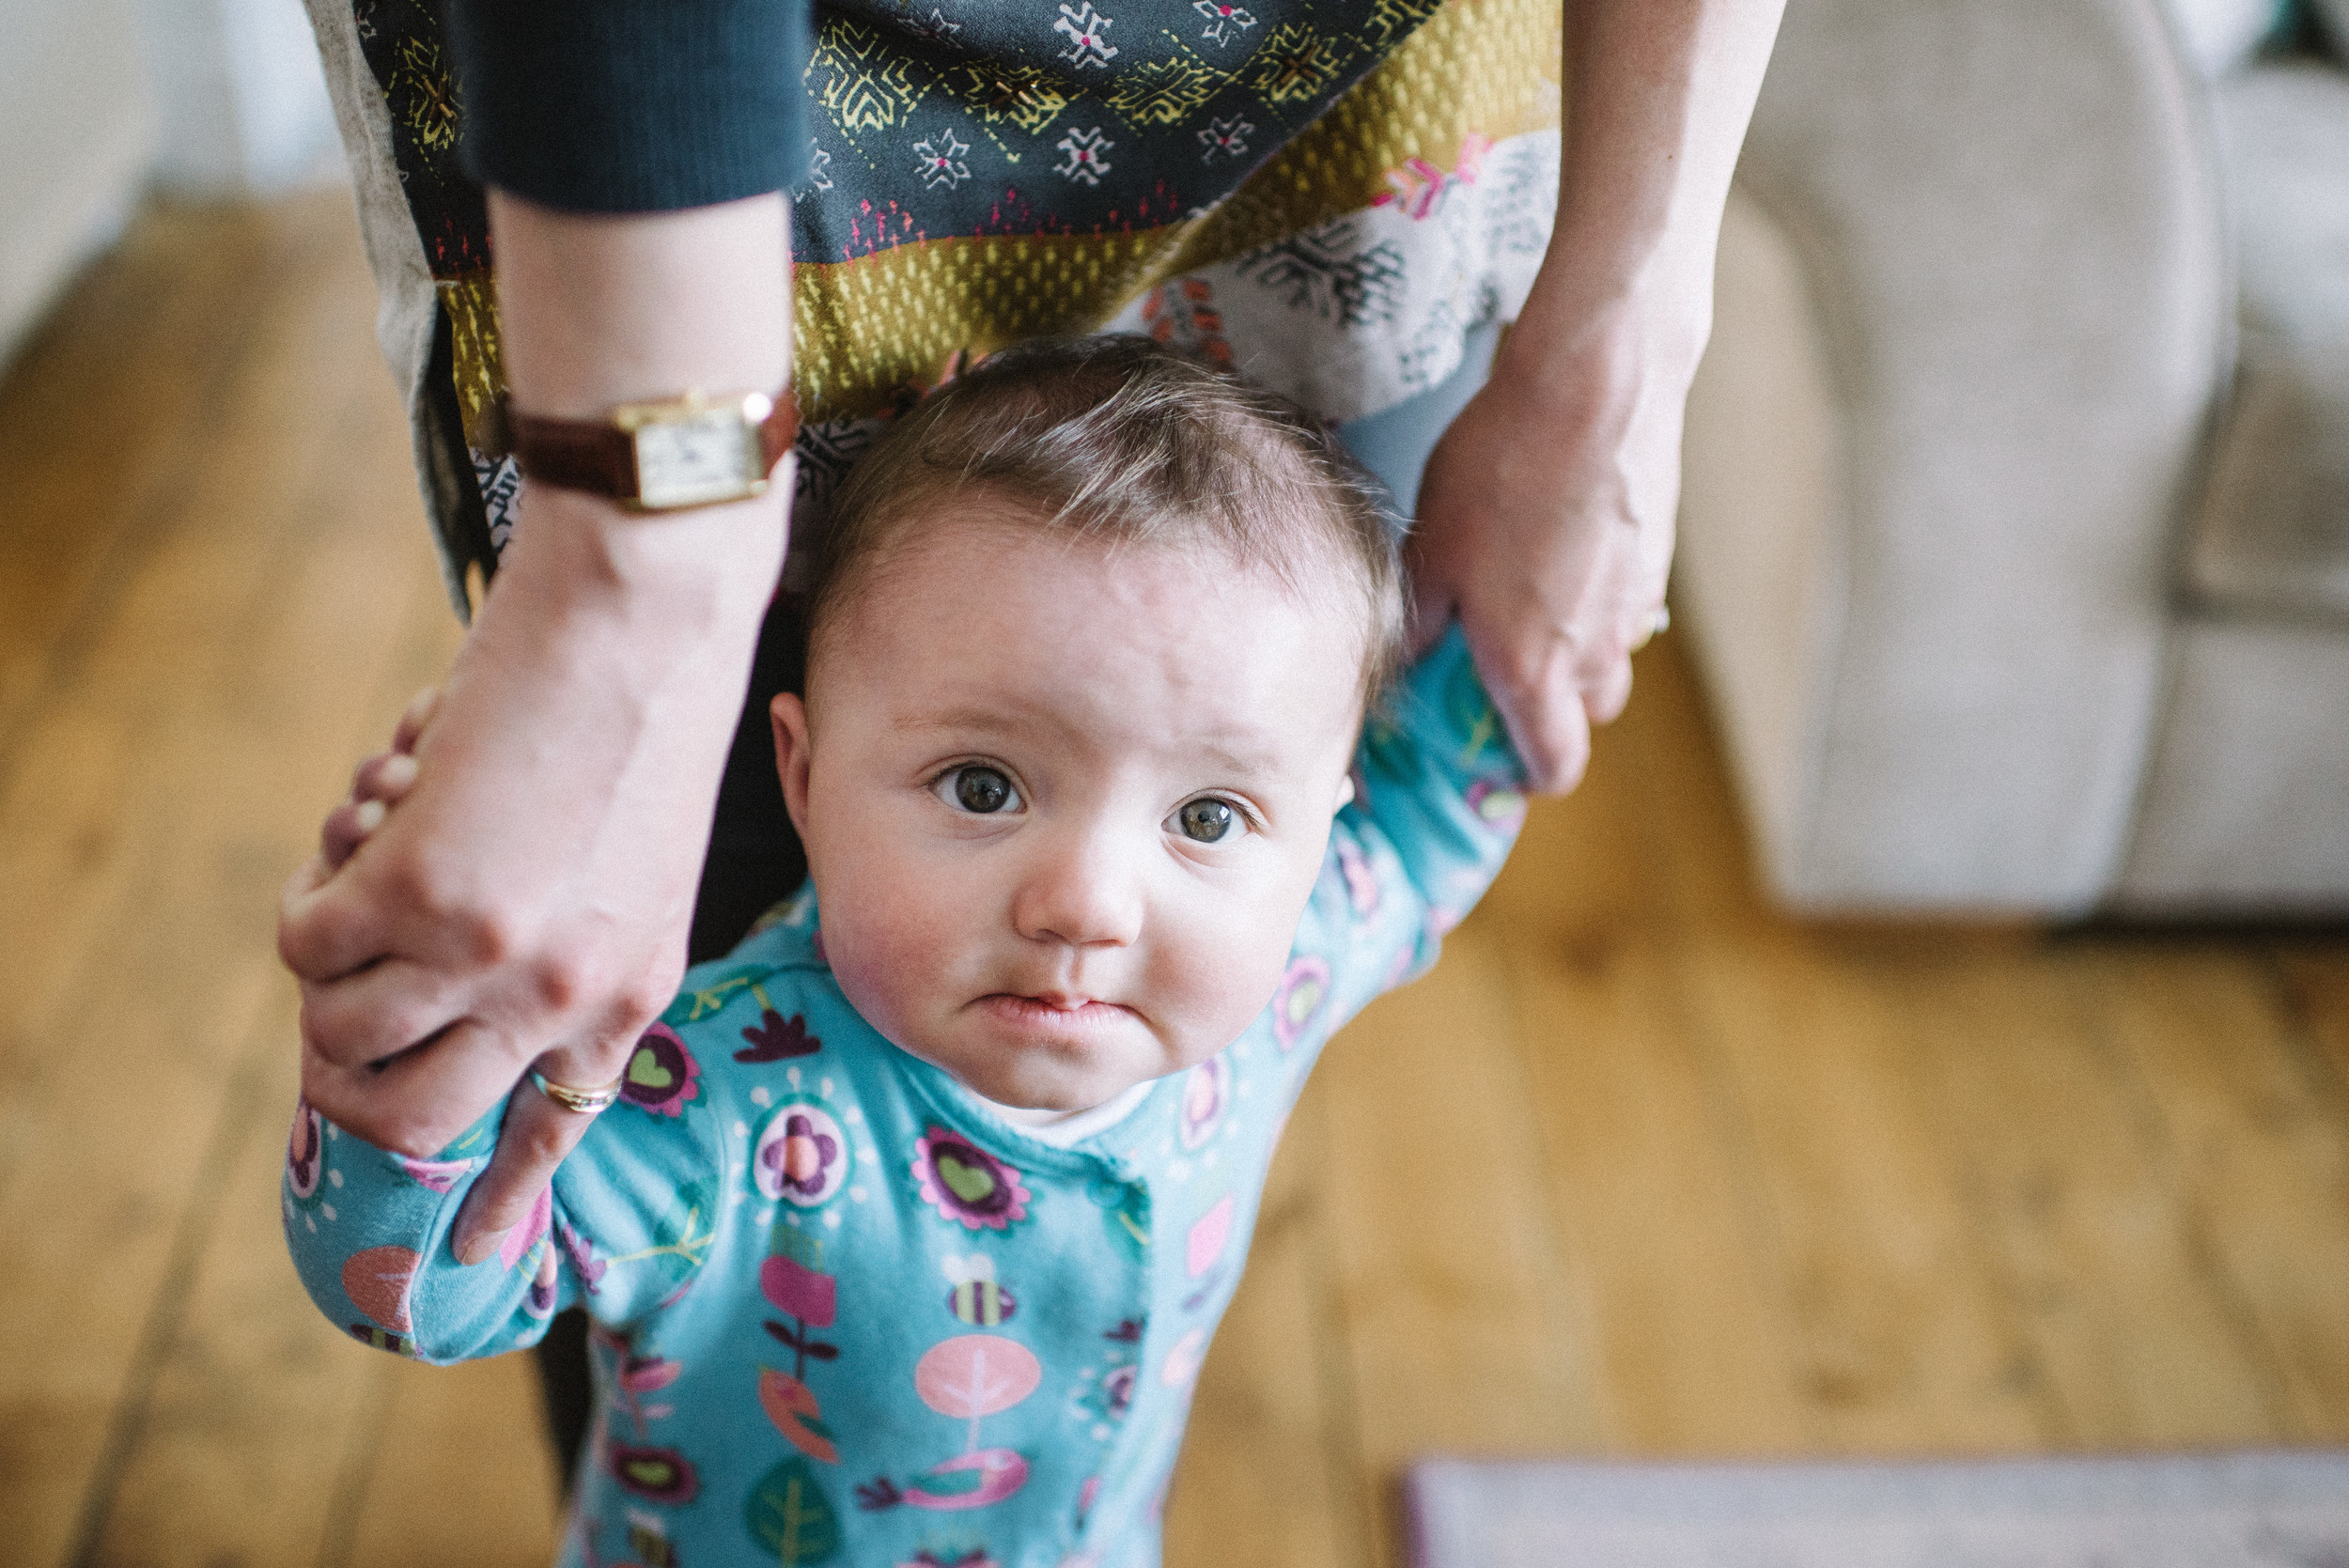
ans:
(1083, 890)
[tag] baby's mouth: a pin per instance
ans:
(1054, 1012)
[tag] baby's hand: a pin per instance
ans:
(376, 785)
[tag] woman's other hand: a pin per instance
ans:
(1545, 512)
(1545, 525)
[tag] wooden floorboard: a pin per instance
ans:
(1643, 1168)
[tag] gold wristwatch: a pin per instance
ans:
(663, 456)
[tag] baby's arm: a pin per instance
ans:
(625, 1224)
(1438, 800)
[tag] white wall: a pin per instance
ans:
(99, 99)
(77, 136)
(240, 96)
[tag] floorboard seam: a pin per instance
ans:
(160, 1336)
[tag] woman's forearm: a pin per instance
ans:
(528, 900)
(596, 310)
(1658, 97)
(1546, 513)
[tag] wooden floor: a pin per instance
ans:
(1640, 1170)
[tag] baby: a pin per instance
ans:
(906, 1243)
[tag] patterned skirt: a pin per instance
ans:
(1336, 196)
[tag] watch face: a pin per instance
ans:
(696, 458)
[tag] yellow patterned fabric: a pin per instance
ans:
(869, 329)
(870, 326)
(1026, 168)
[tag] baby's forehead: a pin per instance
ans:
(977, 531)
(994, 617)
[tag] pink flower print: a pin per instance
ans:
(793, 1287)
(1204, 1244)
(583, 1255)
(523, 1237)
(378, 1281)
(1362, 880)
(1298, 1003)
(803, 1155)
(1206, 1095)
(661, 1074)
(799, 1157)
(437, 1175)
(966, 1184)
(639, 1376)
(1498, 804)
(644, 1375)
(305, 1150)
(1183, 1360)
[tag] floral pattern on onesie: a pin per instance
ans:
(845, 1314)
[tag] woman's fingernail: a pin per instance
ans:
(397, 772)
(478, 1247)
(368, 816)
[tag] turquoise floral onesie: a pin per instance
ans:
(847, 1314)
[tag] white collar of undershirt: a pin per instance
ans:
(1073, 1127)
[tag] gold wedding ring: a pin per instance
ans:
(583, 1102)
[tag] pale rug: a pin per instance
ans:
(2261, 1509)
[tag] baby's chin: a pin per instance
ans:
(1039, 1087)
(1040, 1082)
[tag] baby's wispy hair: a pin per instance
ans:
(1121, 441)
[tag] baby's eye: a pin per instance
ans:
(1206, 821)
(977, 789)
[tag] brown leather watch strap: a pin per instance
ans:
(779, 430)
(598, 456)
(574, 454)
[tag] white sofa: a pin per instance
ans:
(2015, 527)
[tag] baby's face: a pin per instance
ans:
(1063, 809)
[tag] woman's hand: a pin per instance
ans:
(1545, 512)
(527, 901)
(1545, 524)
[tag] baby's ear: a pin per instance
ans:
(789, 715)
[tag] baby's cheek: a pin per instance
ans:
(884, 957)
(1228, 975)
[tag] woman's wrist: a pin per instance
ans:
(597, 310)
(1573, 352)
(682, 575)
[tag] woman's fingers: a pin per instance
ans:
(390, 1006)
(376, 786)
(414, 722)
(418, 1103)
(384, 777)
(1530, 671)
(539, 1132)
(324, 931)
